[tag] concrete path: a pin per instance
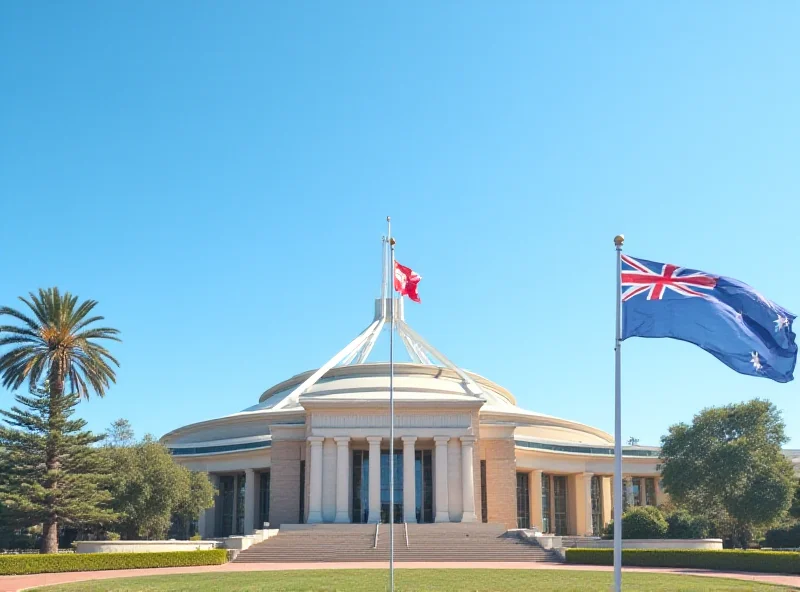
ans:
(17, 583)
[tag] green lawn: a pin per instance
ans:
(416, 580)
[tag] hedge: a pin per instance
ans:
(729, 560)
(14, 565)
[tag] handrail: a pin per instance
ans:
(406, 525)
(377, 528)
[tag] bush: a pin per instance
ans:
(783, 537)
(683, 525)
(733, 560)
(644, 522)
(32, 564)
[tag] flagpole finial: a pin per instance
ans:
(619, 239)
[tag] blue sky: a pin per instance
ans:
(217, 175)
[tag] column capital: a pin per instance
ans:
(468, 440)
(537, 471)
(374, 439)
(250, 472)
(408, 440)
(587, 474)
(315, 440)
(441, 440)
(341, 440)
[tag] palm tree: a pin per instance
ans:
(55, 344)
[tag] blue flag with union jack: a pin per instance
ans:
(725, 317)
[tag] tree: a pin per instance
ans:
(120, 433)
(56, 343)
(198, 497)
(728, 463)
(149, 488)
(33, 491)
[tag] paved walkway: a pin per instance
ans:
(17, 583)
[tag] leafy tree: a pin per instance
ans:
(149, 488)
(729, 464)
(684, 525)
(641, 522)
(120, 433)
(794, 509)
(198, 497)
(56, 342)
(49, 466)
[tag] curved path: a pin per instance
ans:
(17, 583)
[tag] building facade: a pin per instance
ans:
(315, 449)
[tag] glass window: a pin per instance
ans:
(637, 491)
(423, 485)
(226, 493)
(240, 484)
(560, 504)
(360, 486)
(546, 511)
(650, 491)
(484, 494)
(302, 517)
(263, 495)
(597, 506)
(523, 501)
(398, 486)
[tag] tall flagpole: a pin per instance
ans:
(618, 240)
(391, 408)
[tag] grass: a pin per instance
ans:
(415, 580)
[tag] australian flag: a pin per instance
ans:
(725, 317)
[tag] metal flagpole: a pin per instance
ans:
(391, 407)
(618, 240)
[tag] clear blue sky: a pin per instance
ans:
(217, 175)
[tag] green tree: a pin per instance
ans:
(68, 490)
(728, 464)
(198, 496)
(56, 342)
(120, 434)
(149, 489)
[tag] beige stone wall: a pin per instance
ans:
(501, 481)
(284, 494)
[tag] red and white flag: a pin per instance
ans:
(406, 281)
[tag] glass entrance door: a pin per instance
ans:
(360, 486)
(560, 504)
(398, 486)
(226, 493)
(423, 485)
(523, 501)
(597, 506)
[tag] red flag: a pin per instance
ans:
(406, 281)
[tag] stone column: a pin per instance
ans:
(588, 527)
(374, 479)
(468, 479)
(342, 478)
(441, 494)
(535, 486)
(608, 499)
(249, 501)
(315, 480)
(661, 495)
(409, 484)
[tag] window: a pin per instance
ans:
(597, 506)
(360, 486)
(423, 485)
(523, 501)
(637, 491)
(240, 483)
(263, 496)
(650, 491)
(547, 523)
(484, 496)
(560, 504)
(301, 519)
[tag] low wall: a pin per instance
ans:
(142, 546)
(709, 544)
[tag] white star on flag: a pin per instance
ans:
(755, 361)
(781, 322)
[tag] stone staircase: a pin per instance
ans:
(426, 542)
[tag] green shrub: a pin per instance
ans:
(683, 525)
(643, 522)
(14, 565)
(783, 537)
(734, 560)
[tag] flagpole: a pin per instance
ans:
(391, 407)
(618, 241)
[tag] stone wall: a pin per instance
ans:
(284, 491)
(501, 481)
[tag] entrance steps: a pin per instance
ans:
(426, 542)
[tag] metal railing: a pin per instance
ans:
(405, 524)
(377, 529)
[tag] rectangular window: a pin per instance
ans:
(523, 501)
(597, 506)
(301, 519)
(560, 504)
(240, 484)
(484, 496)
(360, 486)
(423, 485)
(263, 495)
(637, 491)
(226, 493)
(547, 524)
(650, 491)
